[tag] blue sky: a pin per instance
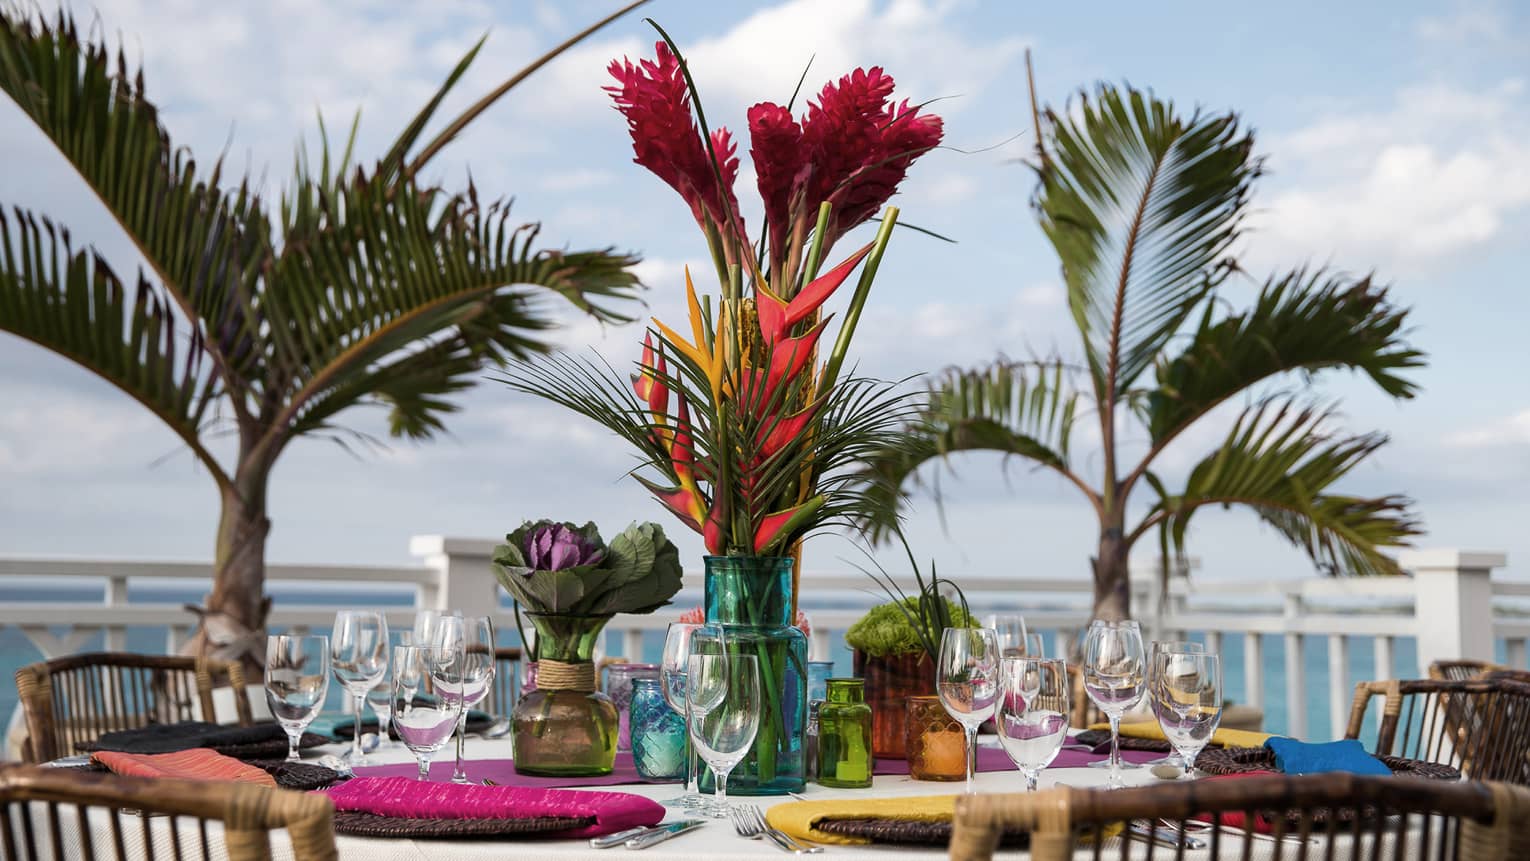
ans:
(1397, 136)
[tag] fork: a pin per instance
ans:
(745, 825)
(757, 819)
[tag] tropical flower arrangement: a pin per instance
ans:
(750, 439)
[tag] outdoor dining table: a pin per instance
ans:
(715, 841)
(712, 842)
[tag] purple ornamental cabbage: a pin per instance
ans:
(556, 547)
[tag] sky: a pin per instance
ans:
(1396, 137)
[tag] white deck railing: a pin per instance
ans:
(1451, 606)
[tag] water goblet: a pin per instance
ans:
(427, 681)
(722, 693)
(380, 701)
(471, 637)
(1014, 636)
(967, 679)
(358, 656)
(672, 682)
(1186, 690)
(297, 680)
(1155, 648)
(1115, 678)
(1032, 714)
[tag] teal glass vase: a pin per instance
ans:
(750, 598)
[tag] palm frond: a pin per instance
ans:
(1024, 409)
(206, 246)
(1280, 461)
(72, 303)
(1141, 205)
(1300, 322)
(372, 271)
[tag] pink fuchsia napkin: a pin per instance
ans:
(406, 798)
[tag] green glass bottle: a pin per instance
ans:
(844, 736)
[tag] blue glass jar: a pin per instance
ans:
(658, 734)
(818, 680)
(750, 597)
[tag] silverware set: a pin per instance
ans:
(750, 822)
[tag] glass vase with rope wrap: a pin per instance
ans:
(565, 727)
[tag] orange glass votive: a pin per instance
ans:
(936, 745)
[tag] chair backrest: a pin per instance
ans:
(1459, 670)
(77, 698)
(1341, 815)
(60, 814)
(1481, 726)
(507, 680)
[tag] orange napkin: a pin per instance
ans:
(197, 763)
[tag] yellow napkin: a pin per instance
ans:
(797, 818)
(1222, 737)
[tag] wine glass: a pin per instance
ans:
(1032, 714)
(380, 701)
(1187, 698)
(722, 693)
(473, 638)
(297, 680)
(358, 655)
(1156, 648)
(967, 679)
(425, 710)
(1115, 677)
(1015, 639)
(427, 624)
(672, 681)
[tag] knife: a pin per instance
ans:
(664, 832)
(1167, 837)
(619, 837)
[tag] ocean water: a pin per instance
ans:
(16, 650)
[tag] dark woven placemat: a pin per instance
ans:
(299, 775)
(371, 825)
(1240, 760)
(904, 832)
(259, 741)
(1100, 740)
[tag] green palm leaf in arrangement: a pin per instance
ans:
(364, 286)
(1143, 206)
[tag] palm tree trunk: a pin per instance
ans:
(234, 618)
(1112, 580)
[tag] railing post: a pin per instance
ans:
(1453, 603)
(464, 579)
(1296, 681)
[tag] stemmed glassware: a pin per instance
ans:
(297, 680)
(358, 656)
(1155, 648)
(473, 638)
(1186, 692)
(427, 681)
(722, 693)
(1115, 677)
(1032, 714)
(967, 679)
(1015, 639)
(672, 681)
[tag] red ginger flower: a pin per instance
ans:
(852, 149)
(653, 97)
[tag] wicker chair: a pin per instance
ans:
(1481, 726)
(1348, 816)
(1460, 670)
(507, 677)
(65, 813)
(77, 698)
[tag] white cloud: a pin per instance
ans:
(1440, 172)
(1512, 430)
(578, 179)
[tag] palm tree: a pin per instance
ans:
(363, 287)
(1143, 207)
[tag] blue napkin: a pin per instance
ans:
(1301, 757)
